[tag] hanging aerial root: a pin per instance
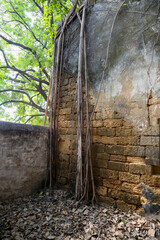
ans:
(88, 160)
(54, 102)
(79, 177)
(84, 177)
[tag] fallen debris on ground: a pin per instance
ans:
(54, 216)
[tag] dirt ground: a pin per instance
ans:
(54, 216)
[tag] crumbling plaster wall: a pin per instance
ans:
(125, 129)
(23, 159)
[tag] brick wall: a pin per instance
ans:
(23, 159)
(122, 155)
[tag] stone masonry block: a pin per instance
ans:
(65, 111)
(98, 148)
(136, 160)
(101, 163)
(94, 131)
(118, 166)
(97, 123)
(106, 173)
(116, 194)
(152, 152)
(69, 104)
(108, 140)
(152, 131)
(127, 140)
(99, 116)
(130, 198)
(103, 156)
(152, 161)
(149, 170)
(127, 124)
(131, 188)
(107, 201)
(129, 177)
(118, 158)
(104, 140)
(101, 191)
(65, 82)
(109, 132)
(148, 180)
(156, 180)
(123, 132)
(149, 141)
(118, 150)
(125, 207)
(137, 168)
(72, 131)
(63, 131)
(112, 183)
(113, 122)
(66, 124)
(97, 139)
(136, 151)
(64, 146)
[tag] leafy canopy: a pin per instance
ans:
(27, 32)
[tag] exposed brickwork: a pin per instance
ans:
(122, 155)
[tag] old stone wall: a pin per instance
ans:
(122, 156)
(23, 159)
(125, 126)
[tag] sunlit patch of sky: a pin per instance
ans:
(8, 111)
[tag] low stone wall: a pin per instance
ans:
(23, 159)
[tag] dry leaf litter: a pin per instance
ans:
(53, 215)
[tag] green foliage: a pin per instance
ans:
(54, 12)
(27, 34)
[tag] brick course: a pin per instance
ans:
(122, 155)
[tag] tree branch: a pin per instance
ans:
(15, 80)
(13, 90)
(24, 73)
(27, 89)
(33, 115)
(31, 102)
(41, 91)
(24, 102)
(40, 8)
(24, 23)
(4, 57)
(17, 44)
(28, 49)
(37, 115)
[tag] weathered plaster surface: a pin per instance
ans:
(133, 66)
(23, 159)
